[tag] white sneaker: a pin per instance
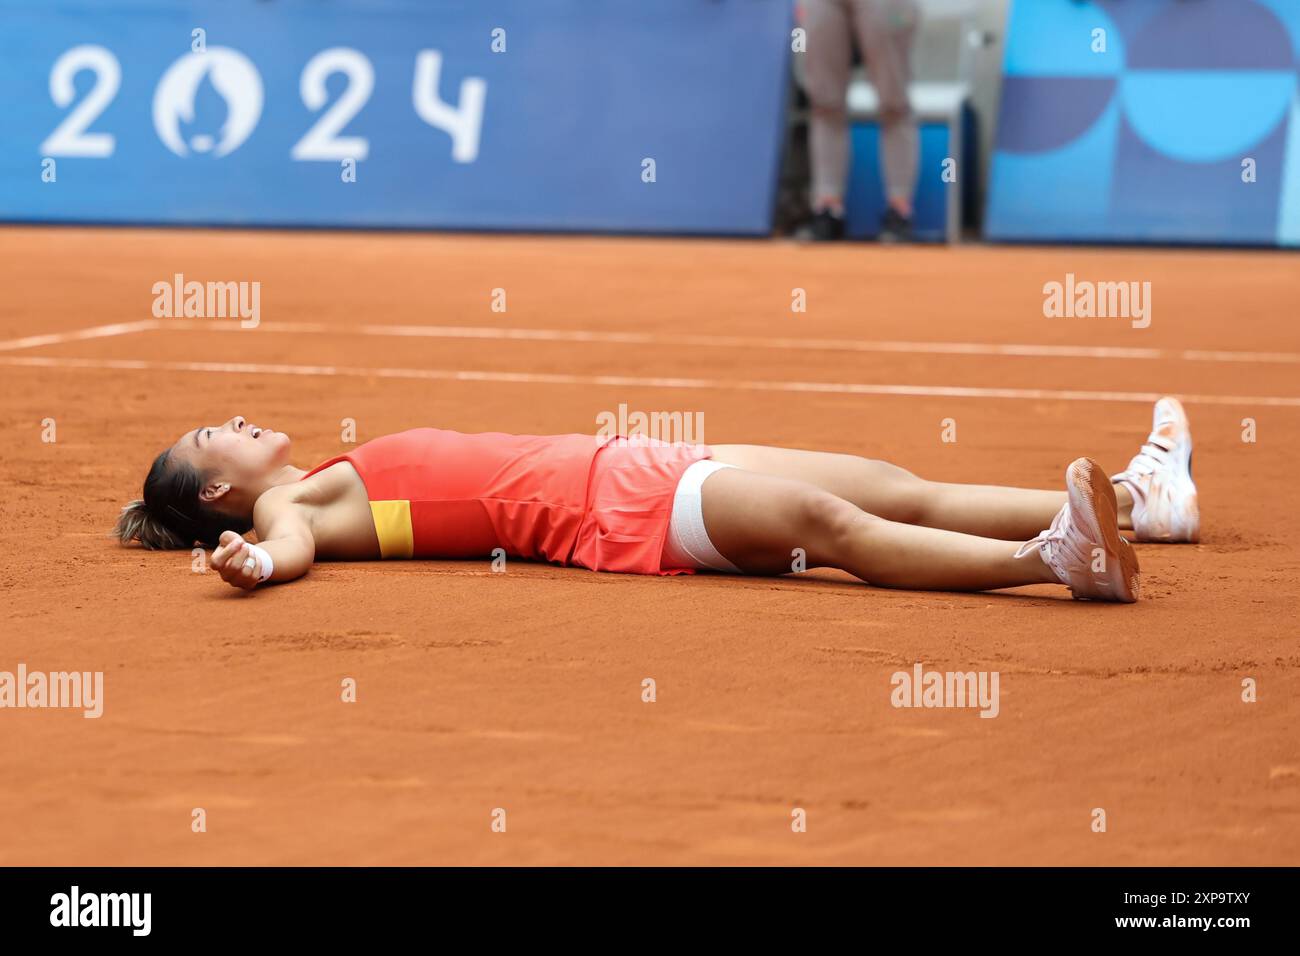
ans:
(1083, 547)
(1160, 479)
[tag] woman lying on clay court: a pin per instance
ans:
(653, 508)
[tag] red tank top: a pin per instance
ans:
(444, 494)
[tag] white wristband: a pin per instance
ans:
(263, 561)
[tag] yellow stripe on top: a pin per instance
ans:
(393, 526)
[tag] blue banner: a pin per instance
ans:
(662, 116)
(1149, 120)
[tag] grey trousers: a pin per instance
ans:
(884, 30)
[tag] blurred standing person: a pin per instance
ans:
(884, 30)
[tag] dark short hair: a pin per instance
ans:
(171, 514)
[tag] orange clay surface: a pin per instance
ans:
(523, 690)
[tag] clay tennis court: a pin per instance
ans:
(522, 690)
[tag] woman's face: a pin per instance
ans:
(237, 453)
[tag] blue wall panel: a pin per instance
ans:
(1149, 138)
(583, 93)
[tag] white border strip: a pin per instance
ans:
(95, 332)
(736, 341)
(625, 381)
(645, 338)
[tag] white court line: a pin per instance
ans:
(626, 381)
(95, 332)
(736, 341)
(644, 338)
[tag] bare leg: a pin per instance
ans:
(1011, 514)
(827, 66)
(999, 511)
(885, 29)
(757, 521)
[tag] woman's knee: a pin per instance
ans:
(828, 521)
(905, 497)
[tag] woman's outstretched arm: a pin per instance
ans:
(285, 536)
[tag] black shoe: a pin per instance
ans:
(895, 227)
(827, 226)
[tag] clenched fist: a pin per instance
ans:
(235, 561)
